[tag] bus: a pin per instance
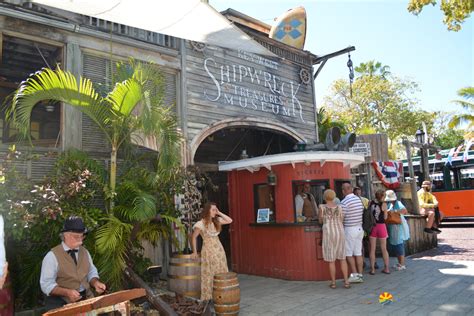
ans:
(452, 184)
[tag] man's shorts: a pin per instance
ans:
(354, 236)
(379, 231)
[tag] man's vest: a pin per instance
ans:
(308, 205)
(70, 275)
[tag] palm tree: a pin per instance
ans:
(468, 104)
(132, 109)
(133, 106)
(325, 123)
(373, 68)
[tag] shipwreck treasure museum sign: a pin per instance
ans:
(251, 88)
(225, 84)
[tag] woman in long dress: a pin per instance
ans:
(332, 216)
(213, 259)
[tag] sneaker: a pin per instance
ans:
(400, 268)
(361, 277)
(355, 278)
(436, 230)
(396, 266)
(429, 231)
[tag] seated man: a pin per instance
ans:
(67, 272)
(429, 207)
(305, 203)
(358, 192)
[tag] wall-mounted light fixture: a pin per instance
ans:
(271, 178)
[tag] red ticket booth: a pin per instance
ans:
(266, 238)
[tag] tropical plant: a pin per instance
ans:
(325, 123)
(468, 104)
(133, 106)
(141, 205)
(455, 11)
(381, 104)
(373, 68)
(34, 213)
(144, 211)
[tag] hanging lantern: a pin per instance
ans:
(271, 178)
(301, 146)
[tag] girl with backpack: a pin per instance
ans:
(379, 210)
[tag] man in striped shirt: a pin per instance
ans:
(353, 211)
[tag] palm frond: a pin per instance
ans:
(56, 85)
(112, 235)
(465, 104)
(467, 93)
(125, 96)
(153, 232)
(134, 204)
(460, 119)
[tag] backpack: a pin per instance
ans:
(368, 219)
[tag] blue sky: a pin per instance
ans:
(415, 47)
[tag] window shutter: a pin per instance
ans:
(97, 69)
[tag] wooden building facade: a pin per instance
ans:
(229, 103)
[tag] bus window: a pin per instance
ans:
(439, 182)
(467, 178)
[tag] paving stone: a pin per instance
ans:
(432, 284)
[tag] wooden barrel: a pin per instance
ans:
(226, 293)
(185, 275)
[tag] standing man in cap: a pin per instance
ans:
(429, 207)
(67, 272)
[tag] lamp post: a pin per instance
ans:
(421, 139)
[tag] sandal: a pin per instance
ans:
(386, 272)
(347, 285)
(332, 285)
(372, 272)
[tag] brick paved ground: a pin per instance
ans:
(437, 282)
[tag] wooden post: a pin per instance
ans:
(414, 196)
(425, 163)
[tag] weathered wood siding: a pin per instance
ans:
(224, 84)
(419, 240)
(378, 145)
(100, 70)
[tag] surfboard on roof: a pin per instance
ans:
(290, 28)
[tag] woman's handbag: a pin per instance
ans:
(393, 218)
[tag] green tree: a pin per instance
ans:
(455, 11)
(133, 106)
(373, 68)
(449, 138)
(133, 109)
(468, 104)
(384, 104)
(325, 123)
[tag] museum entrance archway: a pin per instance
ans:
(234, 143)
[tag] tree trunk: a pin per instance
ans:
(113, 176)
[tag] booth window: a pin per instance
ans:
(264, 198)
(307, 196)
(20, 58)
